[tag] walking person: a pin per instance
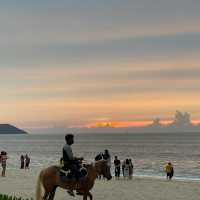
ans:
(169, 169)
(22, 161)
(3, 163)
(117, 167)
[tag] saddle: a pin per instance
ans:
(67, 175)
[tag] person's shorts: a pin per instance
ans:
(169, 175)
(3, 166)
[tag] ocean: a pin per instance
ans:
(149, 151)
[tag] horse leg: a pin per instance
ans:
(85, 196)
(90, 195)
(46, 194)
(52, 193)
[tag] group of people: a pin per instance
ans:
(127, 169)
(70, 162)
(25, 161)
(3, 159)
(126, 166)
(105, 156)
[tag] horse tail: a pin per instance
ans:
(39, 187)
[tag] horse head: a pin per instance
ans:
(102, 168)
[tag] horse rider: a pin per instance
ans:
(70, 162)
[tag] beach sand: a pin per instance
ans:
(22, 183)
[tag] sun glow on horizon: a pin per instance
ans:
(121, 124)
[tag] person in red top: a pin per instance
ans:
(3, 162)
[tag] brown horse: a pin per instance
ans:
(50, 179)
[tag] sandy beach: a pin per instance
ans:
(22, 183)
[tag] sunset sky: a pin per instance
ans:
(79, 62)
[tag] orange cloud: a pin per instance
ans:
(118, 124)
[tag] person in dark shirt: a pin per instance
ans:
(98, 157)
(22, 161)
(117, 167)
(3, 162)
(27, 161)
(130, 169)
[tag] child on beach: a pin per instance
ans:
(3, 162)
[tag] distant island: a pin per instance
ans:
(10, 129)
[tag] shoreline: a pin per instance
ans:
(175, 178)
(135, 175)
(22, 183)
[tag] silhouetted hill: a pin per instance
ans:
(9, 129)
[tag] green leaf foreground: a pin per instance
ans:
(8, 197)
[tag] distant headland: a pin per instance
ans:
(10, 129)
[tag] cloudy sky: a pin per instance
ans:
(75, 63)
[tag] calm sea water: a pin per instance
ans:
(149, 152)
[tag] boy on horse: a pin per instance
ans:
(70, 162)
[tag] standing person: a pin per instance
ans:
(126, 168)
(130, 169)
(22, 161)
(107, 157)
(98, 157)
(3, 162)
(169, 171)
(117, 167)
(123, 166)
(70, 162)
(27, 161)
